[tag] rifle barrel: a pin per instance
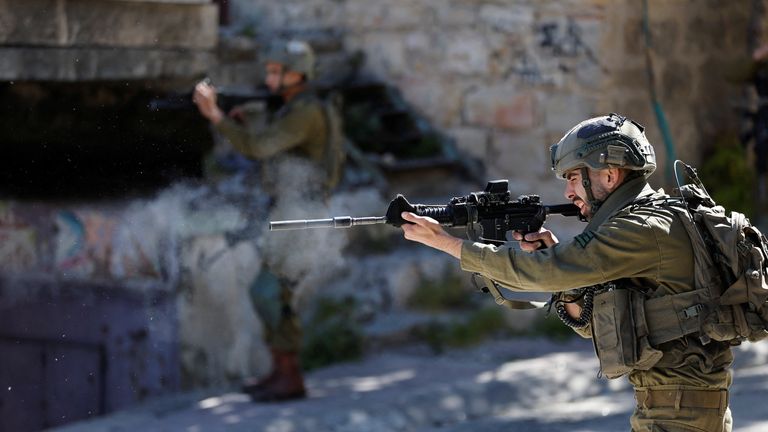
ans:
(336, 222)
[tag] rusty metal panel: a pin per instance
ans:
(71, 350)
(22, 385)
(74, 383)
(56, 381)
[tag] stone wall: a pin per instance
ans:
(71, 40)
(507, 78)
(504, 78)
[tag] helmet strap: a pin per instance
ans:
(282, 89)
(587, 183)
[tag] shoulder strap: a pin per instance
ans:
(335, 154)
(492, 287)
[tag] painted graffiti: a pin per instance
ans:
(564, 39)
(560, 47)
(17, 242)
(83, 245)
(91, 244)
(17, 249)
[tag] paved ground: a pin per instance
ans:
(523, 384)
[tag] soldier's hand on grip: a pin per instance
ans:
(534, 241)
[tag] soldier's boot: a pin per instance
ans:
(288, 382)
(254, 385)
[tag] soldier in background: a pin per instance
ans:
(302, 149)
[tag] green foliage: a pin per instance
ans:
(477, 327)
(378, 120)
(728, 176)
(429, 145)
(249, 31)
(447, 293)
(371, 240)
(331, 336)
(550, 326)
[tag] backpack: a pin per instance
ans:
(730, 265)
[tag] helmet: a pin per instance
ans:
(295, 55)
(602, 142)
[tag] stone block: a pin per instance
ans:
(466, 53)
(501, 107)
(562, 111)
(72, 64)
(518, 19)
(473, 141)
(453, 13)
(70, 23)
(292, 15)
(390, 15)
(521, 157)
(385, 53)
(634, 41)
(32, 22)
(424, 52)
(439, 100)
(676, 83)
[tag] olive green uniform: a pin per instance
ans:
(645, 247)
(308, 128)
(305, 126)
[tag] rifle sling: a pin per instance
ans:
(493, 289)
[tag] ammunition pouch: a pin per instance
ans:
(620, 333)
(671, 317)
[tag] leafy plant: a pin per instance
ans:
(331, 336)
(449, 292)
(728, 176)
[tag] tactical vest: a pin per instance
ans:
(728, 303)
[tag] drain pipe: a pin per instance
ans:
(658, 110)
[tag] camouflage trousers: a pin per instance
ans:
(681, 410)
(272, 299)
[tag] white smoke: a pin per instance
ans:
(310, 257)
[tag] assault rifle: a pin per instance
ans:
(493, 210)
(226, 99)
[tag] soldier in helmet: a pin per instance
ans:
(301, 145)
(632, 250)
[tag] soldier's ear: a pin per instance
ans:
(614, 176)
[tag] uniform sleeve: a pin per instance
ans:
(621, 247)
(283, 134)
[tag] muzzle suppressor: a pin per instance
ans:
(336, 222)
